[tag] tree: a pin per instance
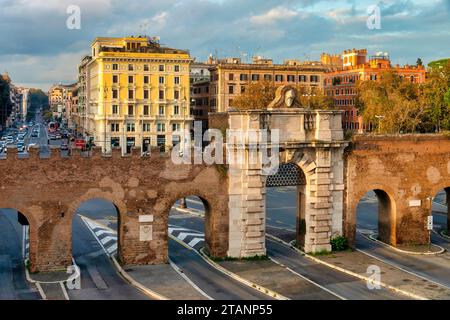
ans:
(392, 105)
(257, 95)
(419, 62)
(260, 94)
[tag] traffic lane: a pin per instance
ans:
(435, 268)
(100, 210)
(340, 283)
(99, 277)
(213, 282)
(13, 283)
(187, 221)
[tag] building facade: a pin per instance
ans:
(229, 78)
(134, 92)
(341, 84)
(200, 80)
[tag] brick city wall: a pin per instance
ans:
(406, 171)
(49, 191)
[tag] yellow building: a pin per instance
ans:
(137, 94)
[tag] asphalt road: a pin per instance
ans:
(13, 284)
(99, 277)
(335, 285)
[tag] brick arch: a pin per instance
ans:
(215, 226)
(387, 213)
(34, 230)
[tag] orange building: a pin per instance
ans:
(341, 83)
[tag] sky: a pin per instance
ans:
(37, 49)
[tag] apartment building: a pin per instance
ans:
(134, 92)
(341, 83)
(230, 77)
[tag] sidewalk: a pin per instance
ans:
(358, 262)
(164, 280)
(276, 278)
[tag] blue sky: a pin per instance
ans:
(37, 49)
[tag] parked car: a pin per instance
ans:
(20, 147)
(58, 136)
(64, 146)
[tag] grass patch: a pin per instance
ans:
(445, 232)
(321, 253)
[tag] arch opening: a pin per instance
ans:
(286, 203)
(16, 252)
(375, 216)
(441, 211)
(95, 234)
(190, 222)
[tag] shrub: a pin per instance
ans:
(339, 243)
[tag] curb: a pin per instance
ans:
(441, 249)
(351, 273)
(136, 284)
(248, 283)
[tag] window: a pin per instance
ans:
(130, 94)
(161, 67)
(115, 109)
(130, 67)
(130, 79)
(279, 78)
(146, 94)
(115, 66)
(230, 102)
(243, 77)
(291, 78)
(176, 80)
(130, 110)
(146, 67)
(161, 80)
(114, 93)
(146, 110)
(268, 77)
(161, 110)
(176, 110)
(114, 127)
(177, 68)
(231, 77)
(146, 79)
(131, 127)
(161, 127)
(373, 77)
(176, 127)
(176, 95)
(255, 77)
(314, 78)
(161, 94)
(146, 127)
(302, 78)
(231, 89)
(115, 79)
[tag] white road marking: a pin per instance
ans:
(105, 240)
(112, 248)
(195, 241)
(183, 235)
(102, 232)
(171, 230)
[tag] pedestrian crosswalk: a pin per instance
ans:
(106, 237)
(192, 238)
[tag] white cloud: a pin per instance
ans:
(274, 15)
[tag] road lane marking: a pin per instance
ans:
(195, 241)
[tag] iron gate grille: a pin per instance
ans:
(288, 174)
